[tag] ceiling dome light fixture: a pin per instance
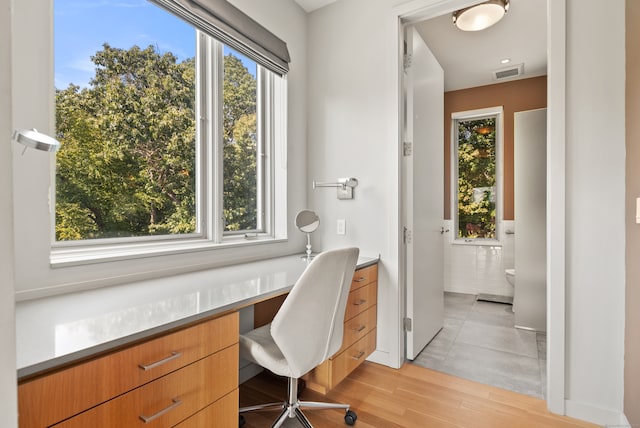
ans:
(480, 16)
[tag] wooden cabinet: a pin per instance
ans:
(191, 373)
(359, 339)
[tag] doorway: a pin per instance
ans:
(427, 9)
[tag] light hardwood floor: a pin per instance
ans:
(413, 397)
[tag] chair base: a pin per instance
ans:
(292, 408)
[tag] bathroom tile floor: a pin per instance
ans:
(479, 342)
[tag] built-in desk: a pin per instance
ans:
(78, 347)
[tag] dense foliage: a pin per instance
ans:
(476, 178)
(240, 137)
(127, 163)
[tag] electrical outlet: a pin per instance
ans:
(342, 227)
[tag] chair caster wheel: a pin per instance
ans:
(350, 418)
(241, 421)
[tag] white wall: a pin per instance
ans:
(33, 103)
(595, 208)
(353, 130)
(476, 269)
(8, 403)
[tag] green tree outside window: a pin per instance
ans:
(476, 148)
(126, 166)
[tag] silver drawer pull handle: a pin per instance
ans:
(175, 403)
(173, 356)
(362, 278)
(360, 302)
(359, 329)
(360, 355)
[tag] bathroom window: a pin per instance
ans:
(477, 161)
(163, 131)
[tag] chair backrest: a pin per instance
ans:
(308, 328)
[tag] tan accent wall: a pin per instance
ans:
(517, 95)
(632, 298)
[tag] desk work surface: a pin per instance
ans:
(58, 330)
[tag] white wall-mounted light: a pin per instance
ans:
(345, 186)
(36, 140)
(480, 16)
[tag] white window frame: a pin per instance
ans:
(209, 234)
(497, 111)
(33, 106)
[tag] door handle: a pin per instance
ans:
(443, 230)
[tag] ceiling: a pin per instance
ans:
(470, 58)
(311, 5)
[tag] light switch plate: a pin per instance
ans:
(341, 227)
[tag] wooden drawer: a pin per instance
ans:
(364, 276)
(327, 375)
(57, 396)
(361, 299)
(222, 413)
(345, 362)
(168, 400)
(359, 339)
(358, 326)
(263, 312)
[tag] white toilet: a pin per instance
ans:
(511, 276)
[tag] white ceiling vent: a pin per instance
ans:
(507, 73)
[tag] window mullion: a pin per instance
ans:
(215, 95)
(203, 181)
(261, 154)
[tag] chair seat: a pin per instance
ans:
(259, 347)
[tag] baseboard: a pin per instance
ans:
(597, 415)
(384, 358)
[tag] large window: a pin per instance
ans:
(476, 164)
(163, 130)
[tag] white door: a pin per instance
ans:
(530, 181)
(423, 194)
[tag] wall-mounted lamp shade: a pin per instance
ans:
(480, 16)
(36, 140)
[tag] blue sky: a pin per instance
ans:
(82, 26)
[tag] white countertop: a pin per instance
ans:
(55, 331)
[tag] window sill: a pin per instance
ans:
(477, 242)
(61, 258)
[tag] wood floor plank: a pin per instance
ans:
(410, 397)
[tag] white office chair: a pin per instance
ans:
(305, 332)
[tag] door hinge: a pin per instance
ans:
(407, 148)
(406, 324)
(407, 60)
(407, 236)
